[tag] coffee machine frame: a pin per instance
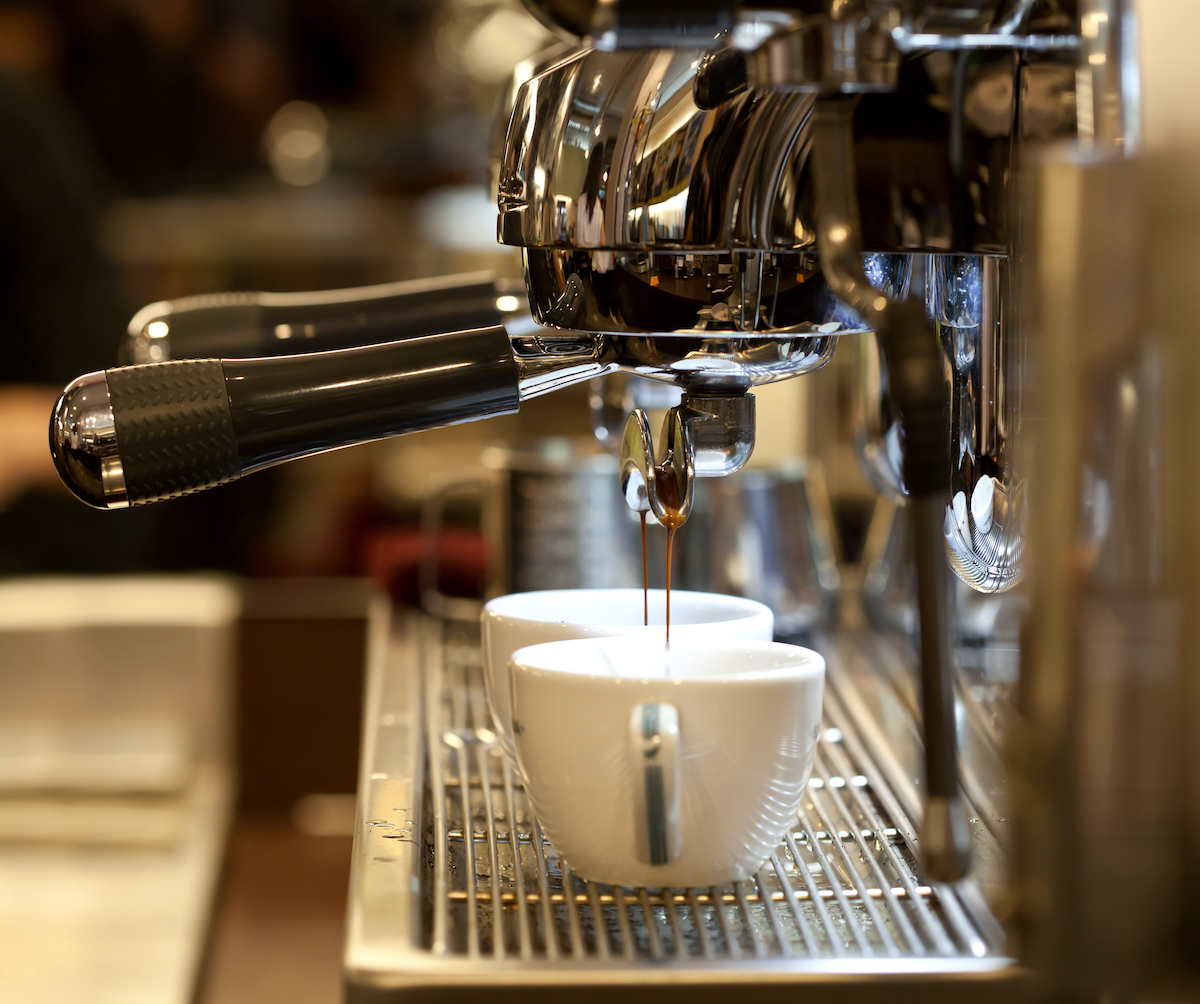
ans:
(799, 130)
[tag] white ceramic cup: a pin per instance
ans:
(666, 768)
(520, 619)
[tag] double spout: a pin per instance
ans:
(705, 435)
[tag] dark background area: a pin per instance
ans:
(144, 155)
(154, 149)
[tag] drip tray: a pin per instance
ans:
(454, 888)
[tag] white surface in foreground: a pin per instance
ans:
(112, 925)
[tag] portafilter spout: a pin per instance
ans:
(664, 488)
(706, 435)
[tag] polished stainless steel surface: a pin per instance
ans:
(704, 436)
(637, 462)
(1108, 92)
(641, 212)
(954, 27)
(846, 52)
(919, 25)
(838, 227)
(986, 508)
(609, 151)
(985, 518)
(664, 487)
(615, 395)
(711, 294)
(454, 886)
(83, 442)
(548, 360)
(986, 624)
(721, 428)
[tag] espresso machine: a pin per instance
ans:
(715, 196)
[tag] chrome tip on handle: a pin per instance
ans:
(83, 442)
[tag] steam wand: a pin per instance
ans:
(917, 383)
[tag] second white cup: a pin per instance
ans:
(514, 621)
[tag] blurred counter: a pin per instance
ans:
(116, 784)
(112, 924)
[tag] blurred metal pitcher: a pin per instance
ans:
(552, 516)
(766, 535)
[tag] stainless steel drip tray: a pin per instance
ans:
(838, 910)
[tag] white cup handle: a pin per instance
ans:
(654, 750)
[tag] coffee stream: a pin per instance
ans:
(672, 519)
(671, 528)
(645, 575)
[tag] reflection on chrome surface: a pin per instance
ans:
(609, 150)
(986, 511)
(612, 151)
(724, 365)
(986, 517)
(711, 294)
(708, 293)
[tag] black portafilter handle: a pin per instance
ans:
(244, 325)
(917, 383)
(145, 433)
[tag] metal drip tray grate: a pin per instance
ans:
(840, 896)
(842, 884)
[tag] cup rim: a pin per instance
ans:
(808, 662)
(746, 609)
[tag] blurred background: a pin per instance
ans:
(153, 149)
(161, 148)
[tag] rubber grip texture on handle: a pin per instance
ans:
(174, 428)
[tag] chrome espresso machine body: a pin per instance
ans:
(714, 197)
